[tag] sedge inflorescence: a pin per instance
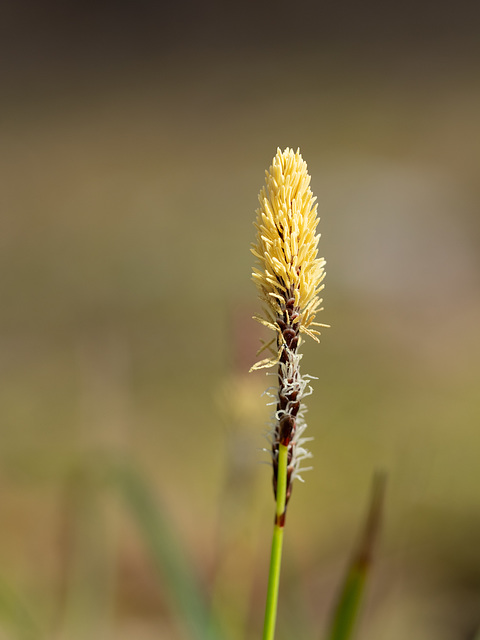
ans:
(289, 277)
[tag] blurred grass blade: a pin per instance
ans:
(169, 561)
(351, 595)
(15, 615)
(349, 603)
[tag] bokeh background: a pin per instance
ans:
(133, 143)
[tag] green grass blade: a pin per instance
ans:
(170, 563)
(351, 596)
(349, 603)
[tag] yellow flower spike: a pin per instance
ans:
(289, 277)
(286, 244)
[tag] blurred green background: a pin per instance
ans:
(133, 144)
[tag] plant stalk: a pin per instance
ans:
(277, 543)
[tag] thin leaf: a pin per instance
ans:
(169, 560)
(351, 595)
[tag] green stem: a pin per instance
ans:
(277, 542)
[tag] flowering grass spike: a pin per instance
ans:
(289, 277)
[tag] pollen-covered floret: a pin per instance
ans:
(289, 277)
(286, 248)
